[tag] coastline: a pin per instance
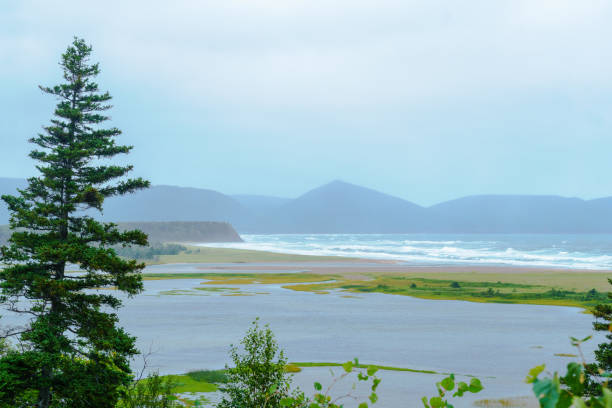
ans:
(581, 288)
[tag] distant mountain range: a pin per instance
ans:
(340, 207)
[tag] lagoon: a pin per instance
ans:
(189, 329)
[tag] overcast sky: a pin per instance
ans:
(425, 100)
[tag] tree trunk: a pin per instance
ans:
(44, 394)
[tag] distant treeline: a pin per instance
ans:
(151, 252)
(185, 231)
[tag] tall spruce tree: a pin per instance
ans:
(72, 353)
(598, 373)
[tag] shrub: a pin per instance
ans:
(258, 378)
(446, 386)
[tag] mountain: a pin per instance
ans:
(171, 203)
(344, 207)
(159, 203)
(515, 214)
(260, 204)
(340, 207)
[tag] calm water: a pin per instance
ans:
(583, 251)
(193, 331)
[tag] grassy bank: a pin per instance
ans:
(191, 386)
(560, 289)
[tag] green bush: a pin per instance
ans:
(258, 378)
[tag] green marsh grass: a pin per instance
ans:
(542, 288)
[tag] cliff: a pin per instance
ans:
(185, 231)
(172, 231)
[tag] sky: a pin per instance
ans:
(425, 100)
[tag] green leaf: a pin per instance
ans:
(475, 386)
(533, 373)
(373, 398)
(461, 389)
(436, 402)
(579, 402)
(363, 405)
(287, 402)
(547, 391)
(348, 366)
(565, 399)
(607, 398)
(318, 386)
(372, 370)
(448, 383)
(574, 379)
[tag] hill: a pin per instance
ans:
(516, 214)
(170, 203)
(344, 207)
(340, 207)
(260, 204)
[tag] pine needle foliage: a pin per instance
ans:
(598, 373)
(72, 352)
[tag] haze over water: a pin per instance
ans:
(577, 251)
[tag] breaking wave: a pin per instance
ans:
(561, 251)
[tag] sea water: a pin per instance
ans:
(576, 251)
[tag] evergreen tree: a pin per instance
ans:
(72, 353)
(597, 372)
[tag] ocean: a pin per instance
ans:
(571, 251)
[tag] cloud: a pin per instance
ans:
(321, 54)
(476, 92)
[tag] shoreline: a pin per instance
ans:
(582, 288)
(397, 267)
(235, 257)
